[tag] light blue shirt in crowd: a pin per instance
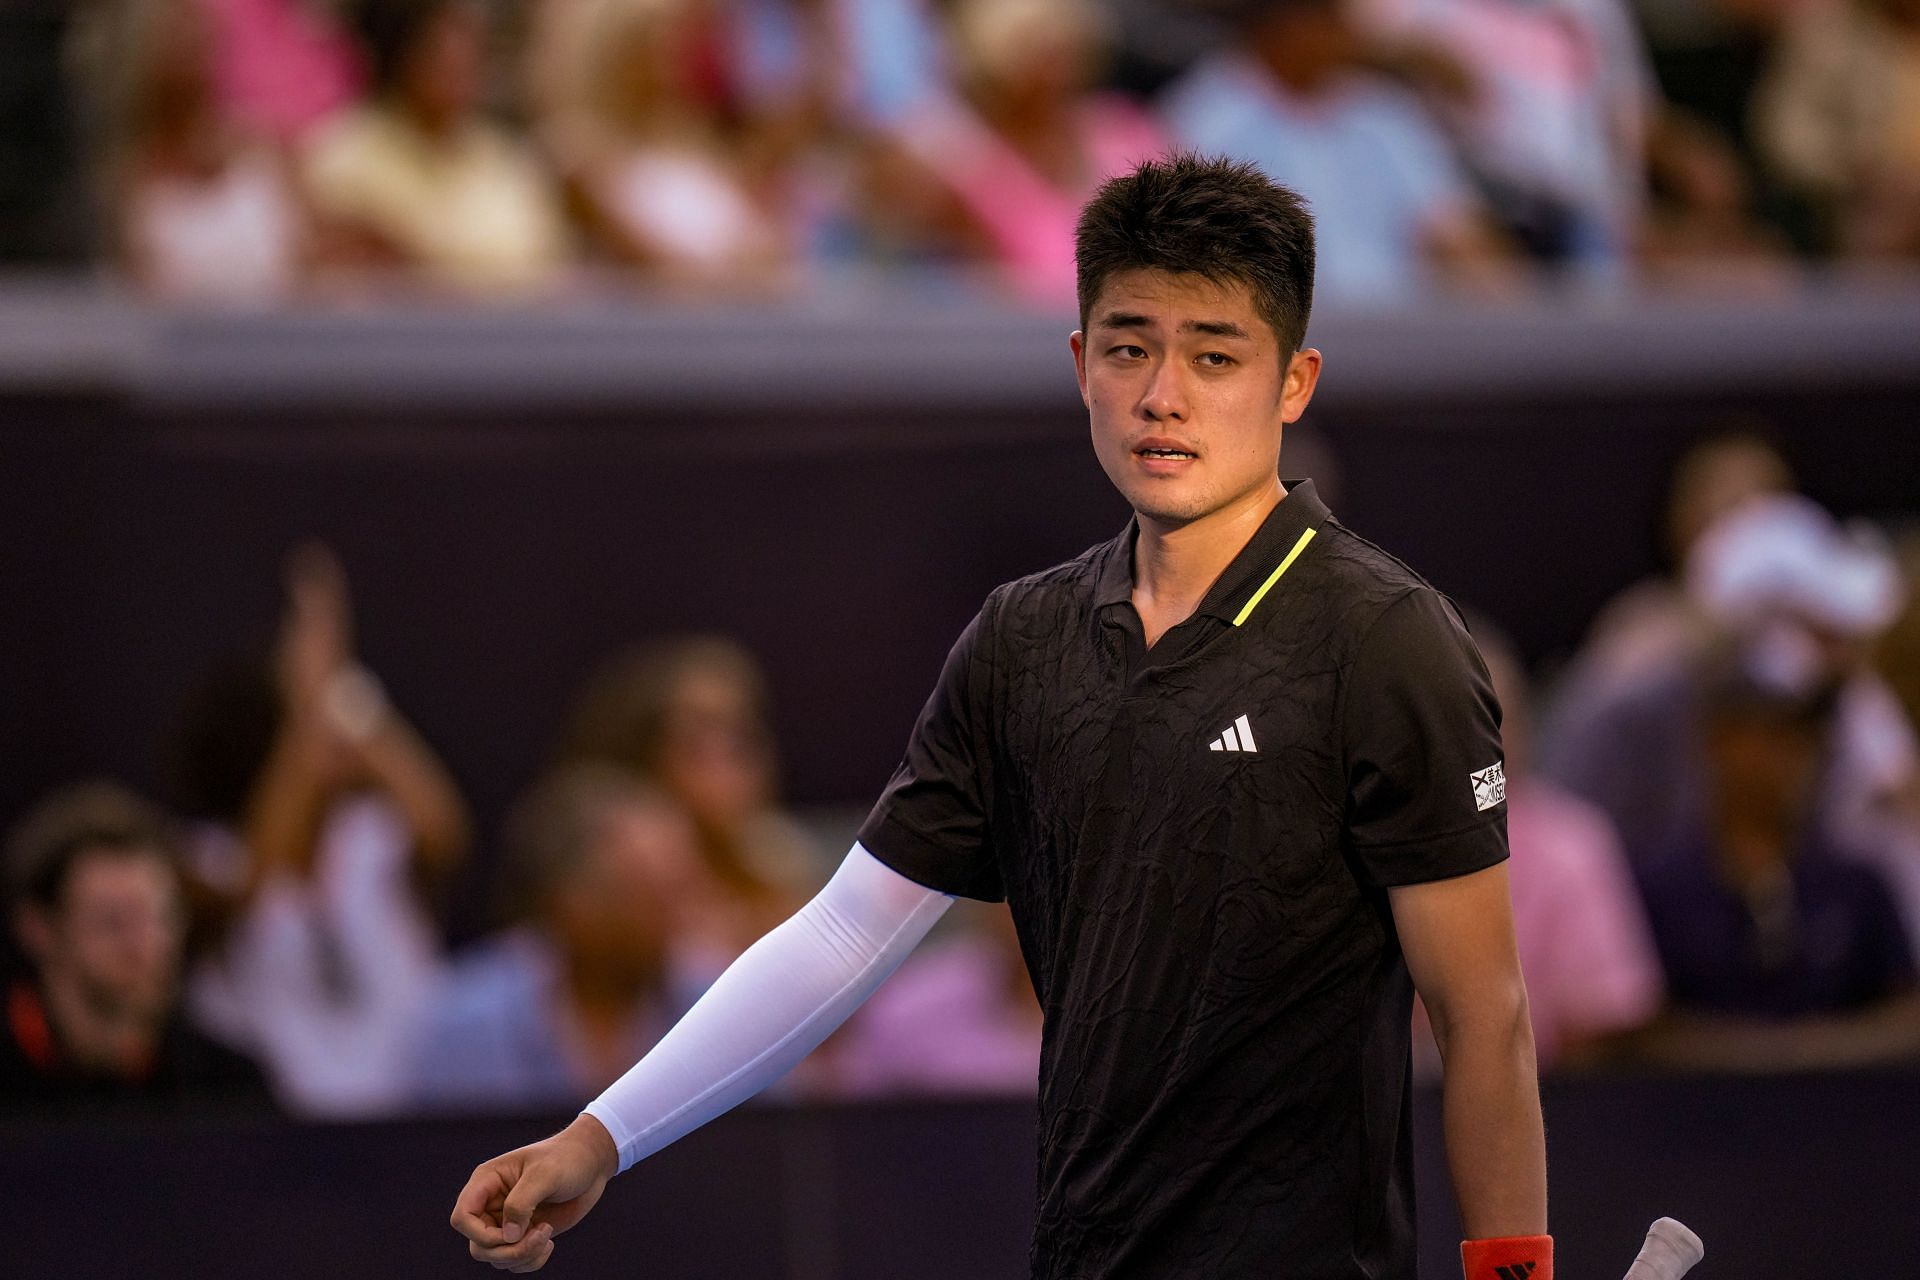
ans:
(1374, 170)
(494, 1036)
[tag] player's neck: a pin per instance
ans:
(1175, 565)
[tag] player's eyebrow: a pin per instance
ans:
(1135, 320)
(1216, 328)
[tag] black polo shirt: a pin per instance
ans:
(1196, 841)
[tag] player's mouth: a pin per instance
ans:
(1163, 457)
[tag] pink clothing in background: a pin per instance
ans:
(1585, 947)
(281, 66)
(949, 1022)
(1029, 220)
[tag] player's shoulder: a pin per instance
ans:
(1069, 586)
(1358, 607)
(1359, 582)
(1364, 564)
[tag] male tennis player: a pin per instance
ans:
(1237, 772)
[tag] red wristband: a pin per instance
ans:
(1508, 1258)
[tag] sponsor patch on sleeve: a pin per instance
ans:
(1489, 786)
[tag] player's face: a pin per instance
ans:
(1187, 390)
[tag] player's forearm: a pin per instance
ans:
(1496, 1143)
(771, 1007)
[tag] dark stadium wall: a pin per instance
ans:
(1774, 1174)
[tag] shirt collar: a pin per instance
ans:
(1277, 535)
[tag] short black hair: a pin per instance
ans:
(90, 817)
(1207, 216)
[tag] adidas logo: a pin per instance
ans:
(1238, 737)
(1518, 1271)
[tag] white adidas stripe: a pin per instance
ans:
(1237, 737)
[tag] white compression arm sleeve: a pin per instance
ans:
(781, 998)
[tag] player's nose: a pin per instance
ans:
(1164, 398)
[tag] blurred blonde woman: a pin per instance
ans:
(200, 211)
(633, 117)
(690, 716)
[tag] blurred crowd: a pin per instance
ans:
(252, 150)
(1713, 807)
(273, 936)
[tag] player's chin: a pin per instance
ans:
(1166, 505)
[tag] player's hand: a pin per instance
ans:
(514, 1205)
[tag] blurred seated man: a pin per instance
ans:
(418, 179)
(1806, 596)
(97, 910)
(554, 1009)
(1838, 119)
(1704, 227)
(1393, 210)
(1779, 952)
(1649, 624)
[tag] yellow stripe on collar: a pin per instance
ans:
(1246, 610)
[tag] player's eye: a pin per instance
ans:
(1129, 351)
(1215, 359)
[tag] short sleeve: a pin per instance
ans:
(1426, 781)
(930, 824)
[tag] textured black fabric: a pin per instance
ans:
(1224, 1077)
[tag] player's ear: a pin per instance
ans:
(1297, 383)
(1078, 341)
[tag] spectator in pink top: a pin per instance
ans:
(1592, 973)
(1028, 138)
(282, 66)
(1584, 946)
